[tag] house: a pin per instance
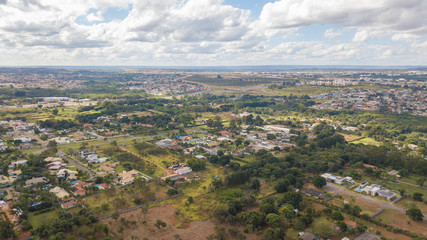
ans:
(183, 170)
(78, 188)
(62, 140)
(371, 190)
(23, 139)
(15, 174)
(70, 174)
(69, 203)
(5, 181)
(34, 181)
(97, 160)
(107, 169)
(367, 236)
(315, 193)
(337, 179)
(127, 181)
(306, 236)
(53, 159)
(14, 165)
(103, 186)
(59, 192)
(386, 194)
(131, 173)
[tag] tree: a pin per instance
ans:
(273, 220)
(52, 144)
(274, 234)
(255, 184)
(55, 111)
(417, 196)
(282, 186)
(342, 225)
(319, 181)
(415, 214)
(6, 227)
(172, 192)
(115, 216)
(337, 216)
(44, 137)
(144, 210)
(421, 181)
(159, 223)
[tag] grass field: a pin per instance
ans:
(44, 218)
(400, 220)
(367, 141)
(351, 138)
(368, 208)
(123, 197)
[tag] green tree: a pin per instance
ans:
(159, 223)
(337, 216)
(273, 220)
(52, 144)
(319, 181)
(6, 227)
(415, 214)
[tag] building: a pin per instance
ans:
(367, 236)
(337, 179)
(69, 203)
(5, 181)
(315, 193)
(306, 236)
(128, 177)
(70, 174)
(59, 192)
(34, 181)
(16, 164)
(183, 170)
(23, 139)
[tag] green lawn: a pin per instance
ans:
(367, 141)
(44, 218)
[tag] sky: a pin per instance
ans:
(212, 32)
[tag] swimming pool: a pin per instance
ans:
(359, 189)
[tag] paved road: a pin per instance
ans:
(78, 165)
(342, 190)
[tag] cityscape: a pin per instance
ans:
(213, 119)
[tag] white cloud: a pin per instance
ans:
(331, 33)
(92, 17)
(186, 32)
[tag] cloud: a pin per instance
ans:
(392, 15)
(330, 33)
(92, 17)
(179, 32)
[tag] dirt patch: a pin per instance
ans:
(192, 230)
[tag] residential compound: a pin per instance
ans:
(400, 101)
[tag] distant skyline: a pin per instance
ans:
(212, 32)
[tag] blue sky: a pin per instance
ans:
(213, 32)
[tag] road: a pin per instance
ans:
(342, 190)
(78, 165)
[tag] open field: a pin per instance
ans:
(167, 214)
(351, 137)
(367, 141)
(40, 219)
(367, 207)
(409, 203)
(400, 220)
(123, 197)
